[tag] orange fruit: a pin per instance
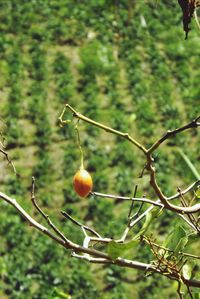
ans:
(82, 182)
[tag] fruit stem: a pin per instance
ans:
(80, 148)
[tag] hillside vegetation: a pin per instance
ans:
(128, 67)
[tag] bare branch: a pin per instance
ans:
(103, 257)
(193, 124)
(45, 216)
(91, 259)
(189, 292)
(149, 166)
(164, 200)
(136, 199)
(66, 215)
(195, 184)
(99, 125)
(179, 290)
(145, 200)
(190, 216)
(31, 221)
(67, 244)
(8, 159)
(169, 250)
(131, 207)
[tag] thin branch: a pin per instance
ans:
(67, 244)
(140, 217)
(31, 221)
(139, 210)
(142, 199)
(188, 222)
(164, 200)
(179, 290)
(142, 172)
(149, 166)
(92, 252)
(131, 207)
(99, 125)
(190, 216)
(154, 203)
(193, 124)
(45, 216)
(91, 259)
(184, 191)
(189, 291)
(196, 19)
(8, 159)
(66, 215)
(145, 239)
(101, 240)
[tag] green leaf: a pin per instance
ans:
(150, 218)
(115, 249)
(176, 240)
(196, 295)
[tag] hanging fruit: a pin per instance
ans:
(82, 182)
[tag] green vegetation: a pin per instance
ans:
(128, 68)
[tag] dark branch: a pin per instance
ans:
(193, 124)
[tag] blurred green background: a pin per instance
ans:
(124, 63)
